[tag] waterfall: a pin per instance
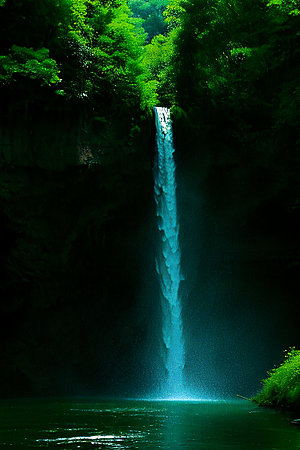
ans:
(168, 259)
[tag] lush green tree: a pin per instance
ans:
(235, 56)
(24, 61)
(29, 33)
(88, 49)
(157, 59)
(151, 13)
(213, 36)
(158, 56)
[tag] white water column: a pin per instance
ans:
(168, 258)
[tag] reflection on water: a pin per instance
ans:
(112, 440)
(87, 425)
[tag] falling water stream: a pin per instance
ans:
(168, 259)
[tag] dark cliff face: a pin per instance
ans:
(77, 244)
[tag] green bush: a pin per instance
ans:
(282, 387)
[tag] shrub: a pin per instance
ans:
(282, 387)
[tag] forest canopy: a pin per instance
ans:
(135, 54)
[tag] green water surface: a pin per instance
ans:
(93, 425)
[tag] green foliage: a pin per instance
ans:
(217, 47)
(174, 13)
(28, 62)
(156, 60)
(94, 46)
(234, 55)
(282, 387)
(151, 14)
(291, 7)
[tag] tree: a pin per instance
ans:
(151, 14)
(86, 49)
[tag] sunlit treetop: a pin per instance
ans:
(290, 6)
